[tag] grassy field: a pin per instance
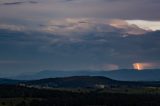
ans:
(22, 96)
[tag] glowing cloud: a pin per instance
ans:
(82, 26)
(146, 25)
(138, 66)
(141, 66)
(128, 28)
(12, 27)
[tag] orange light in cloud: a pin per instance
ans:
(141, 66)
(138, 66)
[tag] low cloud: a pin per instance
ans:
(82, 26)
(142, 66)
(132, 29)
(145, 24)
(12, 27)
(18, 3)
(107, 67)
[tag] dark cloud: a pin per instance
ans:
(18, 3)
(95, 49)
(13, 3)
(111, 9)
(76, 34)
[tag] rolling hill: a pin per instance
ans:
(80, 82)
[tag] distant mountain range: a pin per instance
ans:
(123, 74)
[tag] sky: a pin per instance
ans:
(38, 35)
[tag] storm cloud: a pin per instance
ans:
(78, 34)
(97, 46)
(16, 3)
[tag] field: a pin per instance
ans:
(22, 96)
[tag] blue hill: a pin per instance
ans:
(123, 74)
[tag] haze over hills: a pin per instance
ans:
(123, 74)
(9, 81)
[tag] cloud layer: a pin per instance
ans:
(78, 44)
(78, 34)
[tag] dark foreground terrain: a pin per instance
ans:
(79, 91)
(15, 95)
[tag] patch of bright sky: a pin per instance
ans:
(144, 24)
